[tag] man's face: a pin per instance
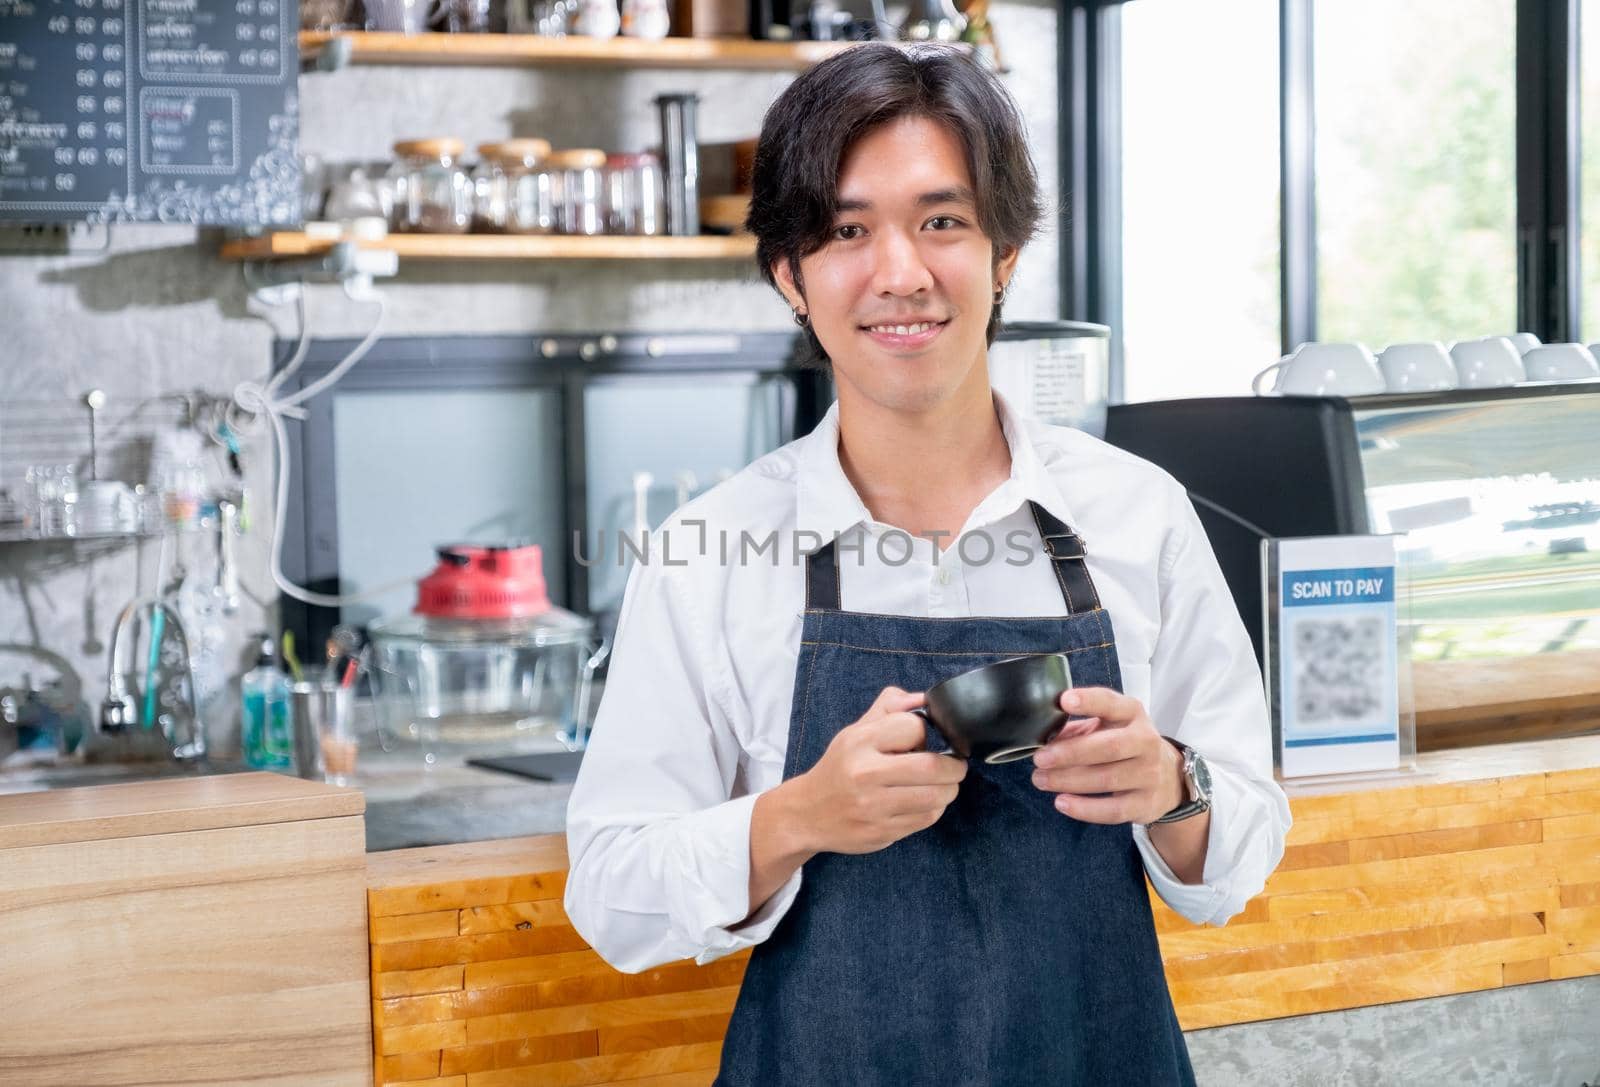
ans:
(900, 295)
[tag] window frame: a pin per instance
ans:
(1548, 164)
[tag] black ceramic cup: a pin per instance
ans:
(1003, 711)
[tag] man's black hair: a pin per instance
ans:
(821, 115)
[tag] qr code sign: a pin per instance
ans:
(1339, 671)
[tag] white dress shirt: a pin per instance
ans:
(694, 721)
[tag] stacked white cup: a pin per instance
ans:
(1350, 369)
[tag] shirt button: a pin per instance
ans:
(944, 577)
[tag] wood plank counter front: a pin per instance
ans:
(192, 931)
(1481, 872)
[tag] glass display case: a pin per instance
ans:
(1494, 496)
(1498, 505)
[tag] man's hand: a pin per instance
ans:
(872, 787)
(875, 785)
(1112, 766)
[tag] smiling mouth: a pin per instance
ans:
(916, 329)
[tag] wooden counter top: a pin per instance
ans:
(168, 807)
(1478, 701)
(1481, 870)
(1459, 766)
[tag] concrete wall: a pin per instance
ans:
(1539, 1035)
(158, 314)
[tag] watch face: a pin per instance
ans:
(1202, 776)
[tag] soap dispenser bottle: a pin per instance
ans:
(264, 704)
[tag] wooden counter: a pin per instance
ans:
(199, 931)
(1481, 871)
(476, 976)
(1492, 700)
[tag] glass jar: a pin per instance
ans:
(324, 14)
(432, 191)
(470, 17)
(513, 192)
(635, 198)
(583, 197)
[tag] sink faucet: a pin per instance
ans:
(119, 735)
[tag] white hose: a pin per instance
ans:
(264, 401)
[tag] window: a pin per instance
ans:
(415, 469)
(1589, 119)
(1200, 250)
(1415, 169)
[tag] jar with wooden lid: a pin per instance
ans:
(513, 191)
(583, 198)
(432, 190)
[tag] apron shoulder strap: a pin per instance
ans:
(1069, 559)
(1065, 548)
(822, 578)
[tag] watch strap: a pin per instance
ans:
(1199, 801)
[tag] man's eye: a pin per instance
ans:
(944, 222)
(847, 233)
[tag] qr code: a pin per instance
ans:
(1338, 669)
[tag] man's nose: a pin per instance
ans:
(899, 270)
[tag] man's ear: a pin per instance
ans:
(783, 275)
(1005, 266)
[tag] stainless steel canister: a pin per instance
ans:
(680, 155)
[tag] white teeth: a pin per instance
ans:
(904, 330)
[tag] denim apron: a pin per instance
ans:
(1007, 943)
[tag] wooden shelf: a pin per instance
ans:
(369, 47)
(504, 247)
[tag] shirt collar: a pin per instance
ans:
(828, 504)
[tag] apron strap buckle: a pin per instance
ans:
(1073, 548)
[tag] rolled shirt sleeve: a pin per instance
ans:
(658, 845)
(1206, 692)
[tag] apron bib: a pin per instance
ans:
(1007, 943)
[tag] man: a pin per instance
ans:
(756, 776)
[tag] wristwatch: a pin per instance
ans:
(1197, 784)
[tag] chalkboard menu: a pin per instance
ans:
(160, 110)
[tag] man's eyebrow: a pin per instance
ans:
(959, 194)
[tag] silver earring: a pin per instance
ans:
(802, 319)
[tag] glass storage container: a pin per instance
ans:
(486, 659)
(582, 174)
(514, 193)
(432, 191)
(635, 202)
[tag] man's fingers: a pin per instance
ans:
(893, 700)
(1081, 726)
(1091, 749)
(917, 799)
(896, 733)
(923, 768)
(1111, 707)
(1110, 810)
(1114, 777)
